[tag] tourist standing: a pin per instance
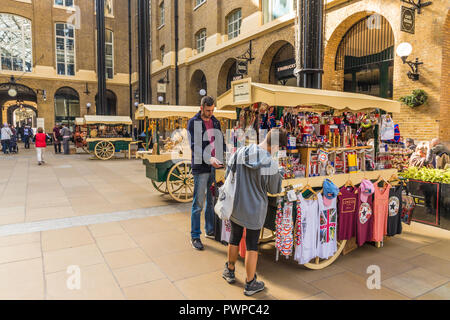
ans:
(57, 138)
(26, 136)
(203, 167)
(40, 144)
(257, 174)
(65, 133)
(6, 138)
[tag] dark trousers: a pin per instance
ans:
(57, 145)
(26, 140)
(66, 145)
(5, 146)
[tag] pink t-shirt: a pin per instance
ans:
(210, 125)
(380, 211)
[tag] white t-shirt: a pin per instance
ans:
(307, 250)
(327, 244)
(387, 129)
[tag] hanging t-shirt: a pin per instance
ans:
(307, 249)
(284, 229)
(380, 212)
(226, 230)
(394, 224)
(347, 208)
(387, 131)
(364, 220)
(327, 244)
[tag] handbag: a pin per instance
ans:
(225, 201)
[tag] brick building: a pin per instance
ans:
(359, 55)
(49, 46)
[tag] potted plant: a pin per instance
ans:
(417, 98)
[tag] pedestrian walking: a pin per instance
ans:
(6, 138)
(135, 133)
(57, 138)
(40, 144)
(203, 167)
(27, 133)
(65, 132)
(257, 175)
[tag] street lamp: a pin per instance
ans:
(202, 92)
(404, 49)
(160, 99)
(136, 104)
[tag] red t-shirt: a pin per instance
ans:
(41, 140)
(210, 125)
(348, 202)
(364, 220)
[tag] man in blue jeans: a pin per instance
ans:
(207, 143)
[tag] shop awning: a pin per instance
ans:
(79, 121)
(244, 92)
(166, 111)
(108, 120)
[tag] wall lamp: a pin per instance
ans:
(136, 104)
(403, 51)
(43, 93)
(88, 106)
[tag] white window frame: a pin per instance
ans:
(271, 4)
(234, 26)
(200, 38)
(65, 51)
(112, 53)
(198, 3)
(162, 13)
(64, 4)
(22, 57)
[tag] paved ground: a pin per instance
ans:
(130, 242)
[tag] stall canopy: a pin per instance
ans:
(107, 120)
(165, 111)
(244, 92)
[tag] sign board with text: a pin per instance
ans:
(161, 87)
(407, 20)
(242, 91)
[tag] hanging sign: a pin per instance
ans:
(241, 91)
(407, 20)
(285, 69)
(241, 66)
(161, 87)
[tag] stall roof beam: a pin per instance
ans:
(166, 111)
(277, 95)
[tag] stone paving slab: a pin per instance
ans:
(140, 249)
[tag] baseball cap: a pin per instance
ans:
(367, 189)
(330, 191)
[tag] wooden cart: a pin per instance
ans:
(170, 171)
(106, 135)
(245, 92)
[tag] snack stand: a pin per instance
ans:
(168, 164)
(104, 135)
(336, 153)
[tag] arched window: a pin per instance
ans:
(366, 54)
(65, 48)
(200, 39)
(16, 47)
(67, 105)
(234, 21)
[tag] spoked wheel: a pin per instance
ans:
(160, 186)
(104, 150)
(322, 263)
(180, 182)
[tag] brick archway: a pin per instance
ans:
(266, 61)
(223, 76)
(332, 79)
(198, 81)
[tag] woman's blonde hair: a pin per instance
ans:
(40, 130)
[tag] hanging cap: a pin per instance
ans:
(330, 191)
(367, 189)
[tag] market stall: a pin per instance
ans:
(103, 136)
(332, 136)
(168, 164)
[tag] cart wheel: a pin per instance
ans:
(180, 182)
(320, 264)
(104, 150)
(160, 186)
